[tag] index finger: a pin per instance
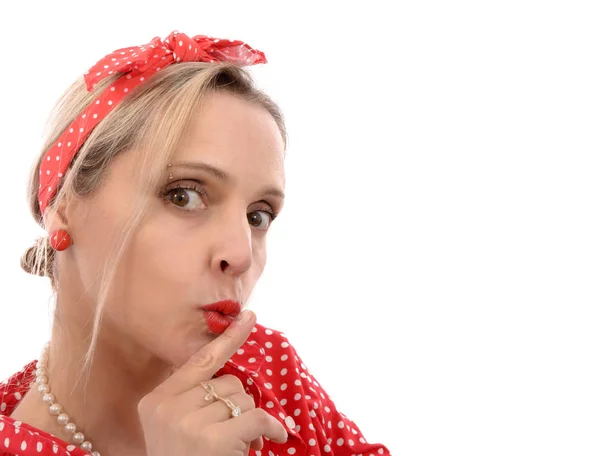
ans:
(203, 364)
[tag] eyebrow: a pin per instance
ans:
(224, 176)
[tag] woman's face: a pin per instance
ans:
(203, 240)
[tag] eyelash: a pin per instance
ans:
(201, 192)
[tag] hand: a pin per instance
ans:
(178, 420)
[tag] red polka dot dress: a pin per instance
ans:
(273, 374)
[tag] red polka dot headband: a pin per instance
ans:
(137, 64)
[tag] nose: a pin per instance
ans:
(232, 249)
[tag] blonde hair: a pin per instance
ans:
(152, 119)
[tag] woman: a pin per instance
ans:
(157, 187)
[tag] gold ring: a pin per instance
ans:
(210, 389)
(235, 410)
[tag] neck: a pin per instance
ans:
(102, 401)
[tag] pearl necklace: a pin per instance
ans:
(54, 407)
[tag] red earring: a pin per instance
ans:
(60, 240)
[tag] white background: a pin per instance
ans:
(437, 262)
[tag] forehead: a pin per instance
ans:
(234, 134)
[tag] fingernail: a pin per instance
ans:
(245, 316)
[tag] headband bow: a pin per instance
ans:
(137, 64)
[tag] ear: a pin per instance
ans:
(56, 216)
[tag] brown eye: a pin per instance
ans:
(260, 219)
(186, 199)
(179, 197)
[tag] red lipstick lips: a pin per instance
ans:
(219, 315)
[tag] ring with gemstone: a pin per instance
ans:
(235, 410)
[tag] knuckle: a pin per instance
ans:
(202, 359)
(236, 383)
(251, 402)
(263, 418)
(146, 405)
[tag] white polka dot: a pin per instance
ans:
(2, 406)
(70, 130)
(58, 158)
(23, 445)
(81, 130)
(297, 382)
(181, 43)
(6, 442)
(283, 386)
(47, 172)
(95, 116)
(311, 427)
(284, 345)
(18, 396)
(60, 174)
(112, 89)
(39, 447)
(329, 424)
(350, 442)
(340, 442)
(361, 440)
(312, 442)
(341, 425)
(252, 360)
(289, 421)
(312, 414)
(327, 409)
(269, 372)
(240, 351)
(110, 102)
(1, 425)
(380, 450)
(241, 368)
(48, 158)
(270, 404)
(283, 371)
(284, 358)
(296, 412)
(327, 448)
(97, 102)
(71, 447)
(268, 332)
(55, 448)
(297, 397)
(269, 345)
(255, 330)
(269, 359)
(283, 401)
(291, 450)
(316, 405)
